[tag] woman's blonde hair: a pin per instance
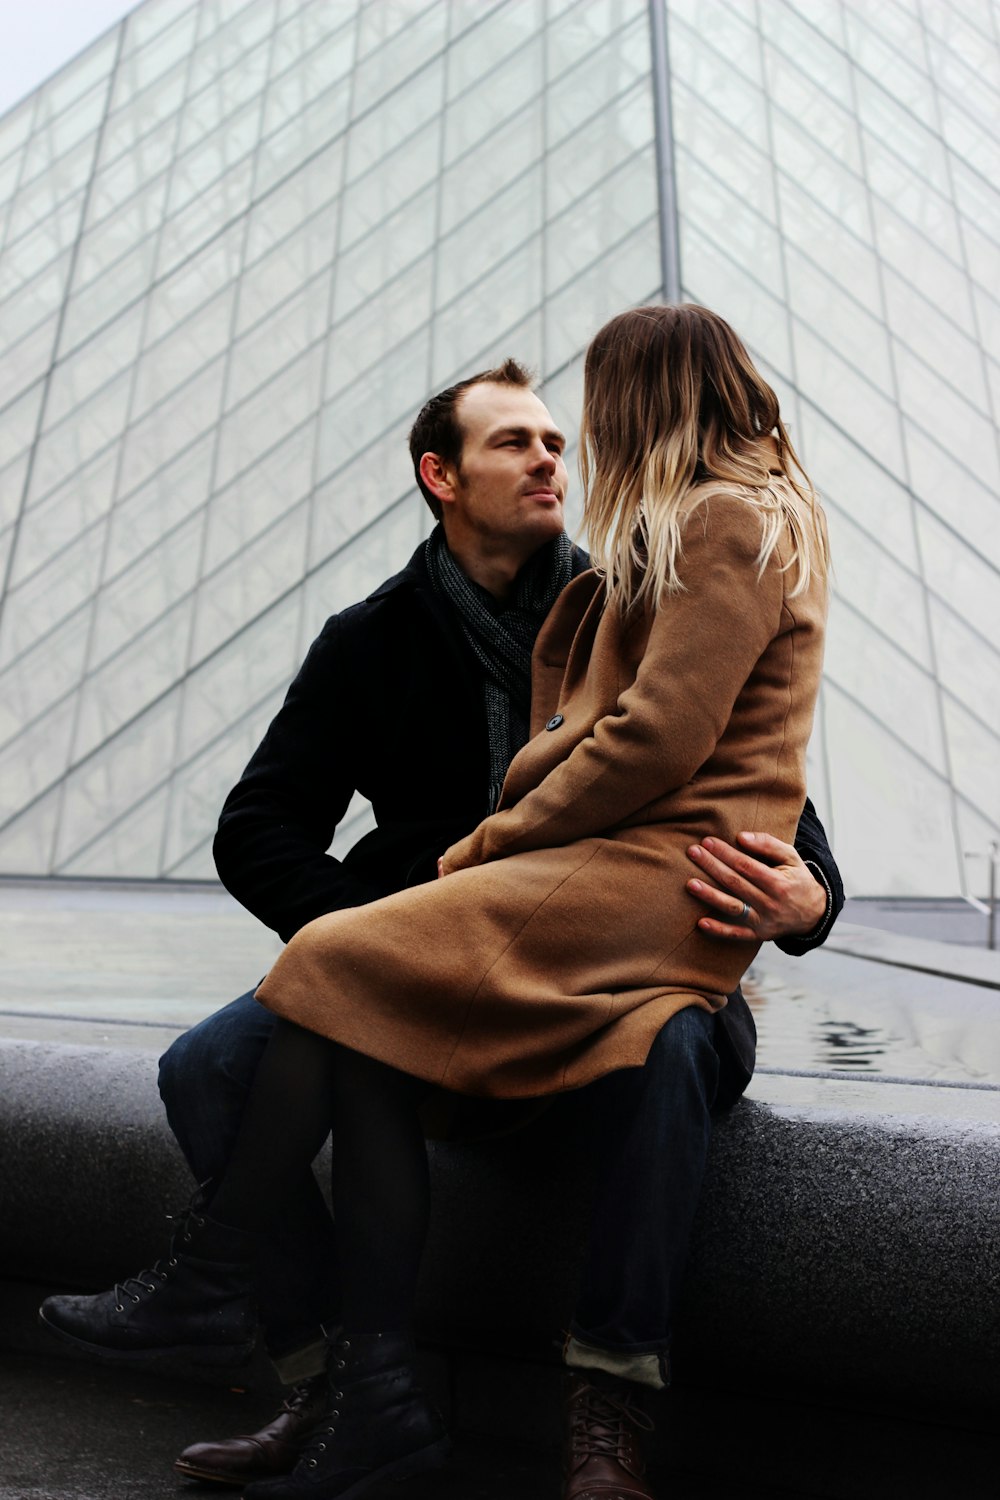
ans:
(673, 408)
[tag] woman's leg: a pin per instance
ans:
(305, 1087)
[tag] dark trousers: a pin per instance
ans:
(648, 1129)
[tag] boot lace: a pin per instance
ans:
(326, 1428)
(603, 1424)
(159, 1272)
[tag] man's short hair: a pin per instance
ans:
(438, 430)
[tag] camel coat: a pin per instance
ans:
(562, 939)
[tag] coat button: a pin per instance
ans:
(555, 721)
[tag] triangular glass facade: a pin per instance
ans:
(241, 240)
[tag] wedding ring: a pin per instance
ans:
(744, 916)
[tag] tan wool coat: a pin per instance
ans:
(562, 937)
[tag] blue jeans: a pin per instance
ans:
(647, 1128)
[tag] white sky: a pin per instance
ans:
(38, 36)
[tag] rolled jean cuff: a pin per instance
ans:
(643, 1367)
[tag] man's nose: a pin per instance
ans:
(543, 460)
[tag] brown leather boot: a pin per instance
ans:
(602, 1459)
(274, 1450)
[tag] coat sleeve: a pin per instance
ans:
(279, 820)
(814, 848)
(702, 647)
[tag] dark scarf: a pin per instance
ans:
(502, 637)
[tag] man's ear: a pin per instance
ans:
(438, 476)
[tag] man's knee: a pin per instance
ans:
(224, 1048)
(685, 1049)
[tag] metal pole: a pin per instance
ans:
(670, 249)
(991, 940)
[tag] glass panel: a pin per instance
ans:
(130, 848)
(145, 592)
(592, 226)
(489, 168)
(968, 666)
(378, 325)
(172, 426)
(487, 309)
(408, 48)
(112, 781)
(237, 46)
(373, 198)
(893, 813)
(86, 311)
(33, 302)
(79, 376)
(20, 422)
(371, 405)
(64, 448)
(27, 361)
(143, 166)
(57, 137)
(312, 72)
(50, 595)
(715, 280)
(286, 270)
(959, 575)
(193, 284)
(15, 127)
(723, 150)
(729, 31)
(62, 184)
(870, 580)
(31, 763)
(38, 679)
(26, 842)
(376, 259)
(848, 397)
(878, 676)
(269, 416)
(244, 588)
(213, 157)
(126, 127)
(791, 93)
(129, 682)
(27, 257)
(203, 218)
(304, 135)
(259, 497)
(925, 329)
(801, 41)
(12, 480)
(889, 64)
(176, 489)
(77, 505)
(140, 66)
(505, 91)
(630, 274)
(862, 488)
(598, 147)
(220, 692)
(975, 759)
(367, 487)
(276, 342)
(939, 409)
(103, 245)
(953, 492)
(181, 354)
(280, 213)
(914, 257)
(490, 37)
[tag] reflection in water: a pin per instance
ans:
(845, 1044)
(793, 1031)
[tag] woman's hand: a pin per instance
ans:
(751, 901)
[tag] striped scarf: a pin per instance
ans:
(502, 635)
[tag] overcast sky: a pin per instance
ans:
(38, 36)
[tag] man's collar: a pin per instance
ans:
(415, 572)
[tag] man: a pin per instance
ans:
(418, 698)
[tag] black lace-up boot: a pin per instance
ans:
(274, 1449)
(378, 1425)
(193, 1304)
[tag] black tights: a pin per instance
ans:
(305, 1088)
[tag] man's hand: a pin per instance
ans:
(754, 902)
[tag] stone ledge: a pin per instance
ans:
(838, 1249)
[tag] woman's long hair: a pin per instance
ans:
(673, 408)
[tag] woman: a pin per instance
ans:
(672, 697)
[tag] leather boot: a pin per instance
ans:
(377, 1425)
(602, 1457)
(193, 1304)
(273, 1450)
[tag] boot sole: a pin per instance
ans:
(201, 1354)
(191, 1471)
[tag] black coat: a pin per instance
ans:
(389, 703)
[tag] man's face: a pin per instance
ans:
(511, 482)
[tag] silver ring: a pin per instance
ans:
(744, 916)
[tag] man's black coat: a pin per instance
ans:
(389, 703)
